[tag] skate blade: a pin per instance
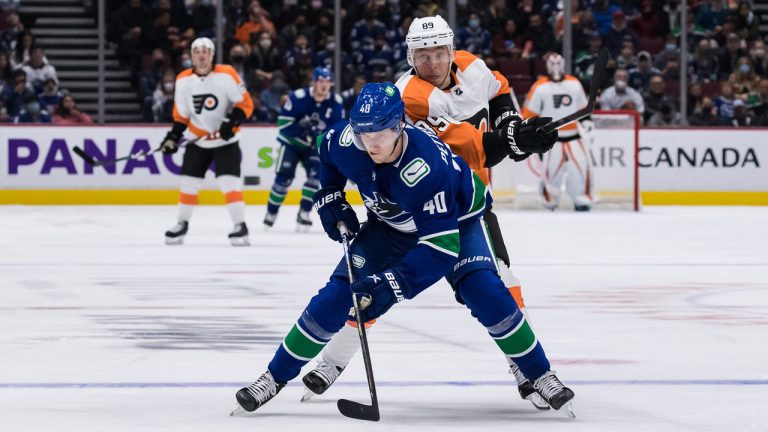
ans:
(303, 228)
(308, 394)
(240, 241)
(170, 241)
(567, 409)
(238, 412)
(538, 402)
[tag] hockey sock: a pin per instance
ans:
(307, 193)
(231, 187)
(278, 193)
(188, 196)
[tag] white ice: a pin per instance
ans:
(658, 321)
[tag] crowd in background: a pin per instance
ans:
(275, 46)
(29, 85)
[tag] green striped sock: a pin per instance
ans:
(301, 345)
(518, 342)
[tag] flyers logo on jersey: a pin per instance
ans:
(562, 99)
(207, 101)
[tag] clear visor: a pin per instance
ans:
(422, 56)
(379, 140)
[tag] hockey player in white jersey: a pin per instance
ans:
(210, 103)
(556, 96)
(456, 95)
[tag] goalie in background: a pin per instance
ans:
(210, 103)
(558, 95)
(305, 116)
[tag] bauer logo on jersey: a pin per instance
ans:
(207, 101)
(414, 171)
(562, 99)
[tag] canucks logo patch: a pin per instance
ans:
(207, 101)
(416, 170)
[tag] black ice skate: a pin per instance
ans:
(303, 222)
(257, 394)
(269, 220)
(526, 389)
(319, 379)
(239, 235)
(555, 393)
(175, 235)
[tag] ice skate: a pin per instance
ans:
(269, 220)
(555, 393)
(175, 235)
(319, 379)
(239, 235)
(303, 222)
(526, 389)
(257, 394)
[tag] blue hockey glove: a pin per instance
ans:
(332, 207)
(378, 292)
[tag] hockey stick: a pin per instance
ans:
(138, 155)
(598, 76)
(348, 408)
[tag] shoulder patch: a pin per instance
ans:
(416, 170)
(346, 139)
(337, 98)
(300, 93)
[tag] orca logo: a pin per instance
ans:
(207, 101)
(562, 99)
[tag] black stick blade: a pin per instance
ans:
(357, 410)
(89, 160)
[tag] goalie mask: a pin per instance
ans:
(555, 67)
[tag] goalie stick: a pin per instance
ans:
(348, 408)
(138, 155)
(598, 76)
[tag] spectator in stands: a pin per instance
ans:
(695, 97)
(746, 23)
(539, 38)
(325, 57)
(6, 71)
(365, 30)
(705, 116)
(154, 33)
(238, 60)
(656, 97)
(741, 115)
(724, 103)
(149, 81)
(744, 80)
(10, 28)
(298, 61)
(274, 96)
(507, 43)
(202, 18)
(603, 12)
(704, 66)
(377, 59)
(257, 22)
(730, 55)
(162, 98)
(585, 60)
(474, 38)
(261, 114)
(759, 103)
(264, 59)
(350, 95)
(68, 113)
(499, 14)
(20, 52)
(711, 15)
(670, 53)
(618, 34)
(290, 32)
(32, 112)
(626, 59)
(666, 116)
(758, 57)
(649, 24)
(38, 70)
(125, 29)
(615, 96)
(640, 76)
(4, 117)
(51, 96)
(20, 93)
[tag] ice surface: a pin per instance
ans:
(658, 321)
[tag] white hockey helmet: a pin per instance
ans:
(555, 66)
(428, 32)
(203, 42)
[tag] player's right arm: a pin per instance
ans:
(290, 131)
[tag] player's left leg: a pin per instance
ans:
(285, 170)
(311, 163)
(193, 167)
(579, 182)
(227, 160)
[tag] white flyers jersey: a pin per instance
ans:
(548, 98)
(458, 115)
(203, 102)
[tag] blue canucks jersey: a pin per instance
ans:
(427, 192)
(302, 119)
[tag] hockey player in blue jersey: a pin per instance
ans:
(306, 115)
(425, 210)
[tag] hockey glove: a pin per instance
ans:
(170, 144)
(522, 138)
(233, 120)
(378, 292)
(332, 207)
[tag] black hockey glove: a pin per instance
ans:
(521, 137)
(170, 144)
(378, 292)
(233, 120)
(332, 207)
